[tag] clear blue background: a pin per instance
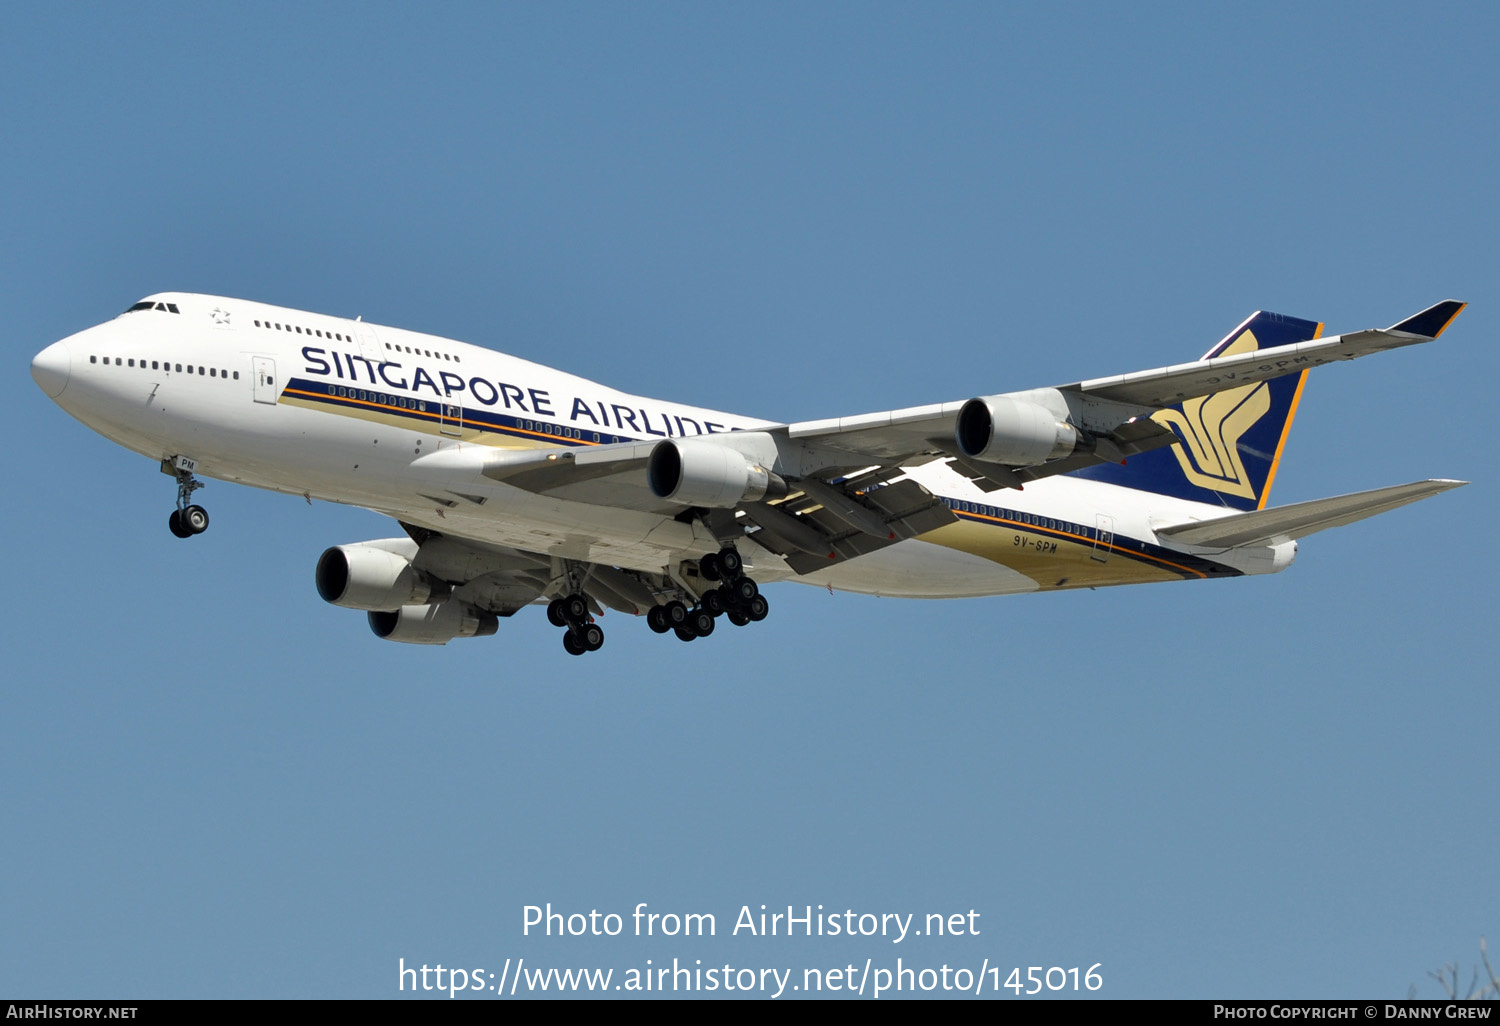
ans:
(213, 784)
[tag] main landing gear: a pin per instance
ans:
(187, 519)
(581, 634)
(738, 597)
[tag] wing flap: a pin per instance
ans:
(903, 510)
(1285, 523)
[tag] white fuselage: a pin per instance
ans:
(345, 411)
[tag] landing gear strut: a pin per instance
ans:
(187, 519)
(571, 611)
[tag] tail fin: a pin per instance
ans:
(1229, 443)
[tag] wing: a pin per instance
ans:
(1110, 410)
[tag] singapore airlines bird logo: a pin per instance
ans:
(1210, 428)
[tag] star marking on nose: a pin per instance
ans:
(220, 316)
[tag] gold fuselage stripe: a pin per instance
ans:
(337, 401)
(406, 411)
(1033, 529)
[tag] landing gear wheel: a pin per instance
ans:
(656, 621)
(194, 519)
(674, 614)
(730, 563)
(555, 613)
(572, 644)
(575, 608)
(757, 608)
(738, 618)
(591, 636)
(684, 633)
(708, 566)
(701, 622)
(744, 590)
(187, 519)
(713, 602)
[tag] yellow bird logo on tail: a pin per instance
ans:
(1210, 427)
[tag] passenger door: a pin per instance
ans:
(370, 346)
(263, 370)
(451, 421)
(1104, 537)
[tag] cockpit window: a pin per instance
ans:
(151, 304)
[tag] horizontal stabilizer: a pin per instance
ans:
(1285, 523)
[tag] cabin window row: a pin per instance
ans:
(317, 332)
(208, 372)
(561, 430)
(341, 337)
(379, 398)
(433, 353)
(1016, 516)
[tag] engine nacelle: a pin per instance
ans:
(707, 474)
(1000, 429)
(433, 624)
(367, 576)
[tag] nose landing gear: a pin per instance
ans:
(187, 519)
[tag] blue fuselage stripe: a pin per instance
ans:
(390, 404)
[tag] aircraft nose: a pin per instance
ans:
(50, 368)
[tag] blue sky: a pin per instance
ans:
(213, 784)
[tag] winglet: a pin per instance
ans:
(1431, 323)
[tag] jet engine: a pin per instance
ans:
(1001, 429)
(698, 473)
(369, 576)
(433, 624)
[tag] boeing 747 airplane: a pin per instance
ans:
(516, 484)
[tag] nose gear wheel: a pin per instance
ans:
(187, 519)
